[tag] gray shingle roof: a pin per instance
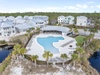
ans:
(56, 28)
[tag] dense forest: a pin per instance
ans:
(52, 14)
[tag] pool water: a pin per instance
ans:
(47, 43)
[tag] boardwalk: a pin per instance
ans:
(30, 42)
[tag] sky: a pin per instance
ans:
(8, 6)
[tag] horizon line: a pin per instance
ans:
(47, 12)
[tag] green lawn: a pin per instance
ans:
(80, 40)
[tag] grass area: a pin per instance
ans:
(5, 63)
(80, 40)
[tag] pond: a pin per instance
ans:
(95, 61)
(4, 52)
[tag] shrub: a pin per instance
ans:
(16, 41)
(80, 40)
(85, 61)
(3, 42)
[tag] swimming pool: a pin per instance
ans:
(47, 43)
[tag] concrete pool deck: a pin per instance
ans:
(36, 49)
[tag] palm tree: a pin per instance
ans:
(34, 58)
(64, 56)
(18, 50)
(47, 55)
(80, 51)
(14, 53)
(91, 37)
(22, 51)
(17, 47)
(75, 57)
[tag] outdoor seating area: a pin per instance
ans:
(67, 43)
(52, 32)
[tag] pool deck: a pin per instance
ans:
(34, 48)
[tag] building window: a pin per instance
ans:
(80, 23)
(12, 26)
(3, 28)
(0, 33)
(8, 34)
(13, 31)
